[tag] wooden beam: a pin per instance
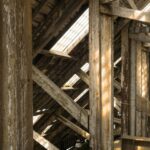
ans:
(125, 80)
(132, 87)
(106, 1)
(55, 53)
(16, 75)
(101, 78)
(83, 76)
(127, 13)
(133, 142)
(140, 37)
(73, 126)
(63, 99)
(43, 142)
(132, 4)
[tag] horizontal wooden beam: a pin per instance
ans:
(140, 37)
(126, 13)
(55, 53)
(43, 142)
(73, 126)
(60, 97)
(106, 1)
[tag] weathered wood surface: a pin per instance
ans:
(58, 24)
(54, 53)
(101, 79)
(127, 13)
(132, 85)
(125, 80)
(63, 99)
(141, 37)
(83, 76)
(43, 142)
(15, 75)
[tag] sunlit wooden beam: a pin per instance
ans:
(43, 142)
(127, 13)
(101, 78)
(73, 126)
(55, 53)
(60, 97)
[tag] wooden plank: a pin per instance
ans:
(125, 80)
(132, 87)
(43, 142)
(127, 13)
(73, 126)
(55, 53)
(15, 75)
(138, 88)
(101, 79)
(63, 99)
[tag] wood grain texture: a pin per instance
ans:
(16, 75)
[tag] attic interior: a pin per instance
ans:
(75, 74)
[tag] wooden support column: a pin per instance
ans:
(101, 79)
(15, 75)
(125, 80)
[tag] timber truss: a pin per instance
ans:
(106, 102)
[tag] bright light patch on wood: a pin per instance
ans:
(74, 34)
(81, 95)
(36, 118)
(147, 8)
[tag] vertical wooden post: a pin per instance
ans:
(125, 80)
(132, 102)
(15, 75)
(101, 78)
